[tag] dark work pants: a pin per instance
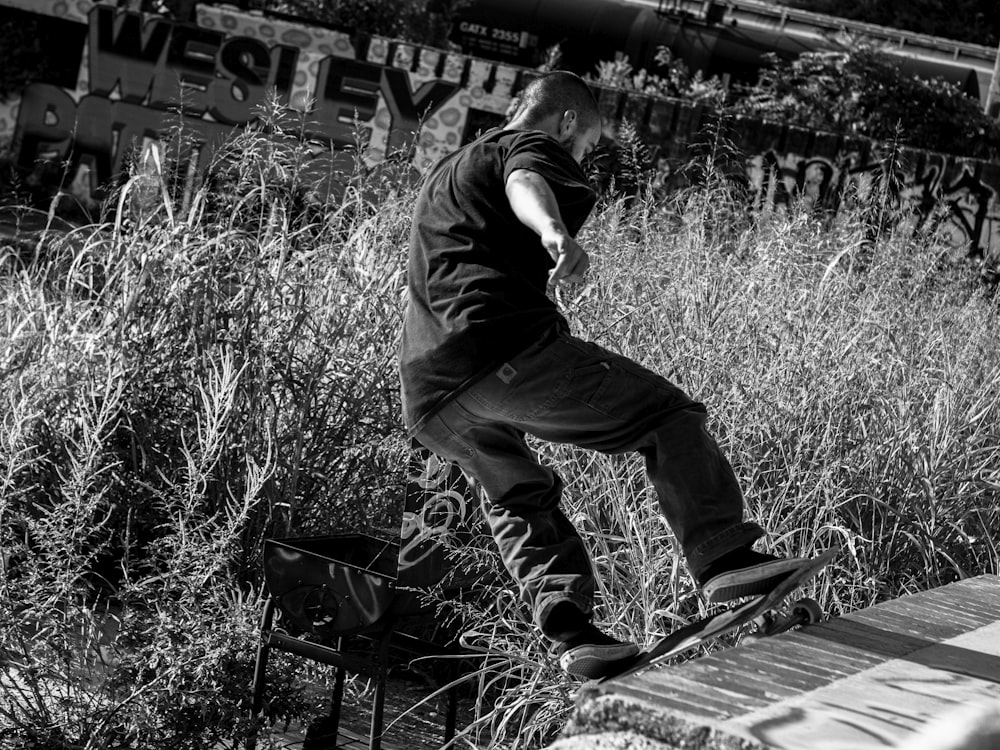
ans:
(565, 390)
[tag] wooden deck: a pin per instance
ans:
(866, 680)
(346, 740)
(408, 726)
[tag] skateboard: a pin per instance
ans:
(765, 611)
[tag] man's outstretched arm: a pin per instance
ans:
(535, 206)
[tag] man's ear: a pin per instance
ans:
(569, 123)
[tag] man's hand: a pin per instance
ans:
(571, 259)
(535, 206)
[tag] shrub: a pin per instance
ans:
(198, 372)
(850, 378)
(421, 21)
(670, 78)
(862, 90)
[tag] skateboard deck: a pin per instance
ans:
(701, 631)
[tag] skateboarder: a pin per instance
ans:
(486, 357)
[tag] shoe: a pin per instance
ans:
(590, 654)
(743, 572)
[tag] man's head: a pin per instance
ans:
(562, 105)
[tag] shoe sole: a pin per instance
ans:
(753, 581)
(594, 662)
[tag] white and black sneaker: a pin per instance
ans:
(590, 654)
(744, 572)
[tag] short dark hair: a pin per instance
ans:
(556, 92)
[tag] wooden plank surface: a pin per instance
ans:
(293, 740)
(865, 680)
(880, 706)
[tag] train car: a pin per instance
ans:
(729, 39)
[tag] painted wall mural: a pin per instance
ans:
(959, 196)
(137, 70)
(784, 164)
(440, 513)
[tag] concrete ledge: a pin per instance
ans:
(609, 741)
(876, 678)
(610, 721)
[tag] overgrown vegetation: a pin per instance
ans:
(850, 375)
(862, 90)
(422, 21)
(858, 90)
(670, 78)
(202, 369)
(211, 365)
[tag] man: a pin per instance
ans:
(486, 357)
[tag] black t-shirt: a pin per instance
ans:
(476, 275)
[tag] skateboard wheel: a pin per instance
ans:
(807, 611)
(764, 621)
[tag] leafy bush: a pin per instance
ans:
(197, 372)
(421, 21)
(26, 54)
(670, 78)
(623, 166)
(849, 375)
(861, 90)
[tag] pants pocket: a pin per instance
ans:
(623, 390)
(525, 386)
(439, 438)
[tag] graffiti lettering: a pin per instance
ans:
(96, 132)
(125, 53)
(246, 65)
(968, 198)
(138, 70)
(437, 512)
(406, 107)
(425, 531)
(169, 65)
(349, 92)
(191, 65)
(932, 184)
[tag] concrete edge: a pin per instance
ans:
(609, 741)
(604, 722)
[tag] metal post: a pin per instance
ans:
(992, 105)
(337, 699)
(260, 670)
(378, 703)
(451, 718)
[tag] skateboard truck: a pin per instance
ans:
(760, 611)
(805, 611)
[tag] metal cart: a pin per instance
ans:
(345, 600)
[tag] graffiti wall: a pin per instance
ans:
(441, 513)
(142, 75)
(786, 164)
(958, 196)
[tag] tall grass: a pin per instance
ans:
(216, 363)
(855, 387)
(852, 377)
(208, 366)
